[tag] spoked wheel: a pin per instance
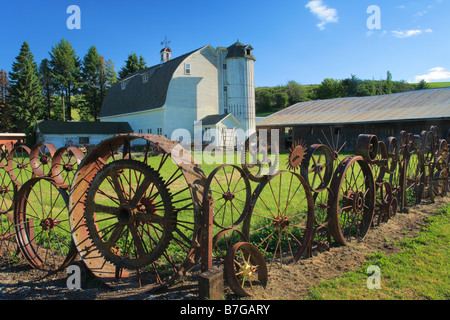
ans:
(386, 203)
(129, 214)
(8, 190)
(8, 244)
(351, 200)
(161, 246)
(5, 149)
(317, 167)
(65, 163)
(224, 240)
(41, 159)
(19, 165)
(259, 158)
(415, 178)
(244, 268)
(42, 225)
(380, 165)
(439, 178)
(231, 193)
(282, 218)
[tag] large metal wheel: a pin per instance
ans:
(41, 220)
(129, 214)
(41, 159)
(259, 158)
(244, 267)
(19, 165)
(282, 218)
(184, 180)
(351, 200)
(65, 163)
(317, 166)
(231, 193)
(415, 178)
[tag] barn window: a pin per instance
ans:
(149, 130)
(159, 130)
(140, 130)
(83, 140)
(187, 68)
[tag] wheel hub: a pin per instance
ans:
(354, 200)
(48, 223)
(228, 196)
(281, 222)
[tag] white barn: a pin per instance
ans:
(182, 92)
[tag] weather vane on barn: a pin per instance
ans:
(165, 42)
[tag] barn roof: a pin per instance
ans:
(139, 95)
(404, 106)
(80, 127)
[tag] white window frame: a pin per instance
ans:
(187, 68)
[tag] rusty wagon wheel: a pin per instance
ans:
(8, 190)
(282, 218)
(244, 267)
(129, 214)
(5, 149)
(386, 204)
(41, 159)
(41, 220)
(317, 166)
(230, 190)
(180, 175)
(438, 180)
(351, 200)
(19, 165)
(224, 240)
(259, 158)
(415, 178)
(65, 163)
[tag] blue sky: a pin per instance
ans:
(305, 41)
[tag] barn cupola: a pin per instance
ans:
(166, 53)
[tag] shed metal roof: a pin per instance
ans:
(411, 105)
(80, 127)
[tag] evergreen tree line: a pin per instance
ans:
(272, 99)
(58, 85)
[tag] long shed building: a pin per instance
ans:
(340, 121)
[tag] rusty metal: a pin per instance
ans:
(352, 200)
(259, 159)
(367, 147)
(41, 225)
(185, 181)
(5, 149)
(317, 167)
(244, 267)
(230, 190)
(19, 166)
(65, 163)
(296, 155)
(386, 204)
(282, 218)
(41, 159)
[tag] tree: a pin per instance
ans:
(4, 96)
(330, 89)
(132, 64)
(389, 85)
(93, 81)
(295, 92)
(422, 85)
(66, 67)
(45, 73)
(111, 74)
(26, 100)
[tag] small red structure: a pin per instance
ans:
(11, 139)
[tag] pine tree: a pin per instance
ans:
(66, 68)
(47, 85)
(132, 64)
(4, 108)
(26, 100)
(92, 73)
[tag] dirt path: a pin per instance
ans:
(18, 281)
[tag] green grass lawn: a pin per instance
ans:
(419, 271)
